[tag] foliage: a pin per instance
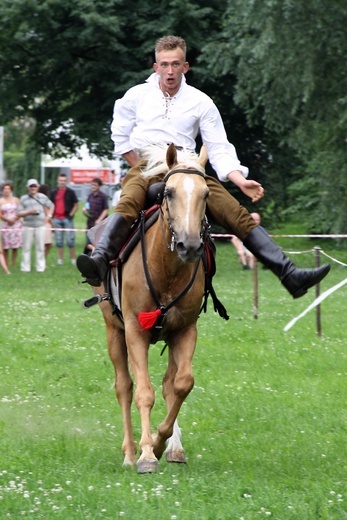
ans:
(20, 157)
(273, 68)
(64, 64)
(286, 57)
(264, 428)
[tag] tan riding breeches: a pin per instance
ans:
(222, 207)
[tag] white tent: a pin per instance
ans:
(85, 161)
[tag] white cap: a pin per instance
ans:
(31, 182)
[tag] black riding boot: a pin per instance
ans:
(296, 281)
(94, 267)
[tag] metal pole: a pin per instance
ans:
(2, 173)
(318, 308)
(255, 288)
(42, 173)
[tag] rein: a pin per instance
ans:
(155, 318)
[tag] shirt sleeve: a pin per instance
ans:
(222, 154)
(124, 120)
(20, 205)
(105, 203)
(74, 198)
(49, 203)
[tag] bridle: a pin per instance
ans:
(161, 310)
(171, 246)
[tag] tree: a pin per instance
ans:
(21, 159)
(287, 57)
(64, 63)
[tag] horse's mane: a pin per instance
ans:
(153, 160)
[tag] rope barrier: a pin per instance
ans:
(333, 259)
(316, 302)
(213, 235)
(51, 229)
(227, 235)
(298, 252)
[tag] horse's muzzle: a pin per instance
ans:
(189, 251)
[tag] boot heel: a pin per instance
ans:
(300, 292)
(88, 268)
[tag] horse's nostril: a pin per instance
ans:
(191, 251)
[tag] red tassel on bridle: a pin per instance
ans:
(148, 319)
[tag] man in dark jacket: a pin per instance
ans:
(95, 209)
(65, 206)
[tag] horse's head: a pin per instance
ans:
(184, 203)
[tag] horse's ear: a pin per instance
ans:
(203, 157)
(171, 156)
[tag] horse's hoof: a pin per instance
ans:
(177, 456)
(129, 462)
(147, 466)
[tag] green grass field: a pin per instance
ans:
(264, 428)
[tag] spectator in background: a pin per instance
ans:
(35, 209)
(118, 192)
(11, 224)
(65, 206)
(44, 188)
(3, 263)
(95, 209)
(246, 258)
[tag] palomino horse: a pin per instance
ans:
(174, 246)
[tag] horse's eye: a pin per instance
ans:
(168, 194)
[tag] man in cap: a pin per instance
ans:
(34, 208)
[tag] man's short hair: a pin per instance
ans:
(97, 180)
(170, 43)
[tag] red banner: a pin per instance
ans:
(86, 176)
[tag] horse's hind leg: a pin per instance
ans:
(124, 389)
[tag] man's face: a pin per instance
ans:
(170, 66)
(62, 182)
(94, 187)
(33, 189)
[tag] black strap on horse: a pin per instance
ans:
(164, 309)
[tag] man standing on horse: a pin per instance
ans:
(164, 110)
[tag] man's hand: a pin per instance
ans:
(252, 189)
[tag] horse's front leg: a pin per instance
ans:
(124, 389)
(177, 384)
(174, 450)
(144, 398)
